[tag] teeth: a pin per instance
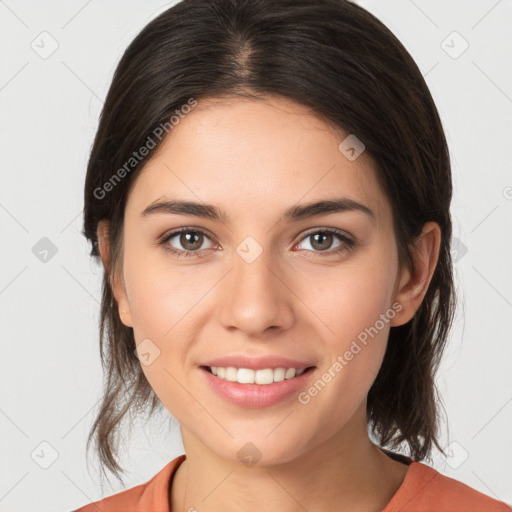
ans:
(249, 376)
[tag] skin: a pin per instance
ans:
(254, 159)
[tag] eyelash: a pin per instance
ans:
(347, 245)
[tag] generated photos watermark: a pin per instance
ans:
(341, 361)
(143, 151)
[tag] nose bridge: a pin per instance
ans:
(255, 298)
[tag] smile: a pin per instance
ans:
(260, 388)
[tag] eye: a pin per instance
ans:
(190, 240)
(322, 239)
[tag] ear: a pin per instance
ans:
(412, 287)
(116, 281)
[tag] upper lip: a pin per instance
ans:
(256, 363)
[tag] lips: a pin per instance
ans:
(256, 395)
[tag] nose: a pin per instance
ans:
(256, 295)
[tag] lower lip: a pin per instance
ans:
(253, 396)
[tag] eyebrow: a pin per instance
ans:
(293, 214)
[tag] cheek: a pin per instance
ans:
(354, 357)
(158, 294)
(164, 307)
(353, 313)
(348, 298)
(161, 315)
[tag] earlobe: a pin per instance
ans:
(414, 285)
(125, 316)
(116, 284)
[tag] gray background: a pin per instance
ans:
(50, 375)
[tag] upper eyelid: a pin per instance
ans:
(336, 231)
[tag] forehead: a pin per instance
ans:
(259, 155)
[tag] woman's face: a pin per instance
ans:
(306, 287)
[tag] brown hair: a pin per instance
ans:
(342, 62)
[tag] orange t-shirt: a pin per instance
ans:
(423, 490)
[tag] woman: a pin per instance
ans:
(269, 193)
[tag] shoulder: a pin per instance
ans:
(425, 489)
(152, 495)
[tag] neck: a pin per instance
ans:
(345, 473)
